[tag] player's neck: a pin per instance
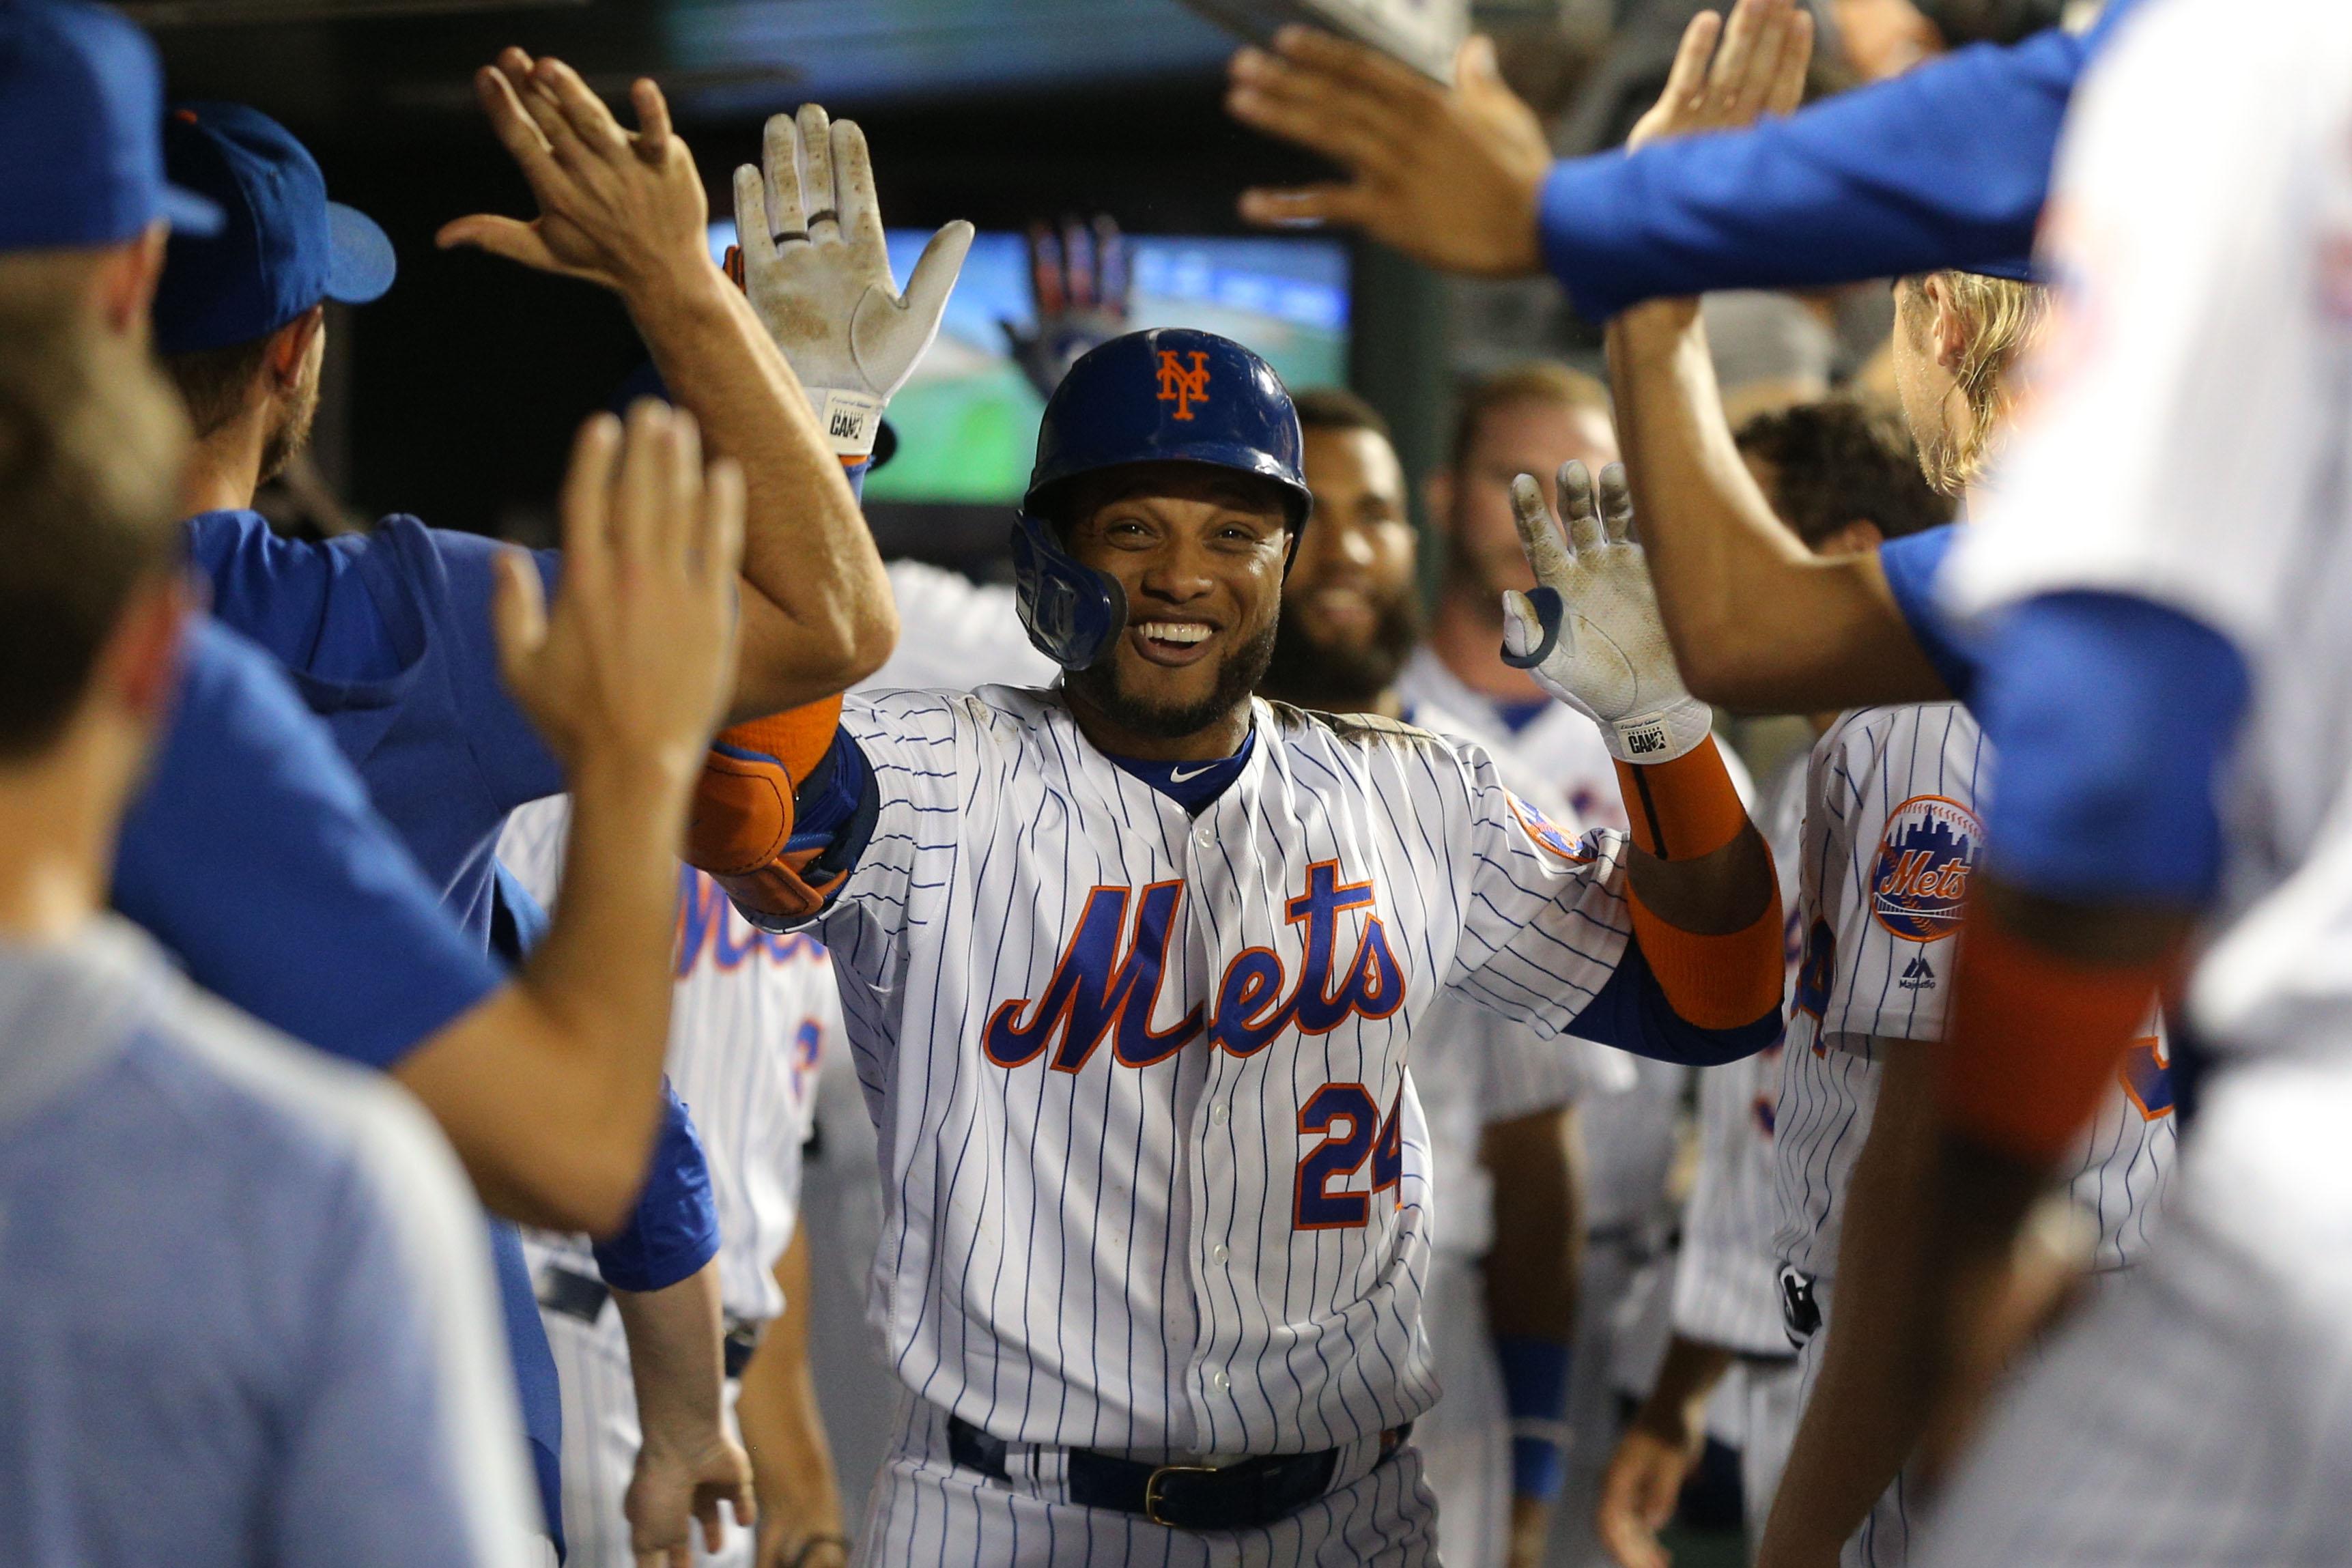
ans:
(1466, 635)
(223, 469)
(1214, 742)
(57, 845)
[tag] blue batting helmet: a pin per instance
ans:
(1167, 395)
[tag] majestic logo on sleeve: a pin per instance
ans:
(1924, 860)
(1107, 982)
(1182, 387)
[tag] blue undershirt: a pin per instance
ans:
(1192, 785)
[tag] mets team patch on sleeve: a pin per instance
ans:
(1924, 856)
(1544, 831)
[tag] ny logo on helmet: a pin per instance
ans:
(1182, 387)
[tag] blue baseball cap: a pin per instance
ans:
(81, 93)
(282, 246)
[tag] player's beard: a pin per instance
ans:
(293, 431)
(1334, 678)
(1238, 675)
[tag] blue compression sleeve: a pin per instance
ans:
(1946, 165)
(2112, 717)
(1632, 1013)
(1535, 1391)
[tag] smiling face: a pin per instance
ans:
(1200, 552)
(1349, 612)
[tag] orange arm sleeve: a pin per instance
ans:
(1682, 810)
(2035, 1039)
(741, 821)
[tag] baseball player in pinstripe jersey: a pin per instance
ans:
(1843, 477)
(1499, 1103)
(1130, 966)
(753, 1016)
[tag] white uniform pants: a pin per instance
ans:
(2200, 1410)
(927, 1512)
(1772, 1395)
(1884, 1539)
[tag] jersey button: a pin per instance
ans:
(1219, 1381)
(1205, 834)
(1219, 1253)
(1221, 1114)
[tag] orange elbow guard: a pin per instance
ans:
(2035, 1040)
(741, 824)
(1715, 982)
(1683, 809)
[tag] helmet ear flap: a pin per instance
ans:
(1071, 611)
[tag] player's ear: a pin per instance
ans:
(289, 346)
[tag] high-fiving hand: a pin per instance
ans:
(817, 270)
(1448, 174)
(621, 208)
(1591, 632)
(1758, 69)
(1077, 283)
(637, 660)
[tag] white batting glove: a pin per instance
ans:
(1591, 632)
(818, 273)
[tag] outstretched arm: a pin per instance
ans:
(625, 210)
(625, 680)
(1705, 903)
(1947, 165)
(1759, 623)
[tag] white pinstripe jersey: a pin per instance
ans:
(1155, 1179)
(1891, 837)
(1724, 1288)
(1473, 1067)
(2212, 375)
(750, 1016)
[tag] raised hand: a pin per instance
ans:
(637, 660)
(1591, 632)
(1448, 174)
(1078, 282)
(817, 270)
(621, 208)
(1758, 69)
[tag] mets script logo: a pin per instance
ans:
(708, 927)
(1108, 981)
(1182, 387)
(1924, 860)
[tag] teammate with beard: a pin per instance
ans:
(1158, 1297)
(1499, 1103)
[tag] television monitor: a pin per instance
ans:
(967, 419)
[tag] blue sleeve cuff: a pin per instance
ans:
(1632, 1013)
(674, 1231)
(1911, 563)
(2113, 718)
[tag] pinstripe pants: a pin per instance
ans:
(927, 1512)
(2200, 1410)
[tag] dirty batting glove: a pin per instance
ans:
(818, 271)
(1591, 632)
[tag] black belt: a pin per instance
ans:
(1247, 1495)
(583, 1296)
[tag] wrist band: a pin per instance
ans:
(2035, 1039)
(851, 420)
